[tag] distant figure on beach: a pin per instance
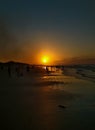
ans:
(27, 68)
(9, 71)
(1, 67)
(47, 70)
(62, 67)
(17, 71)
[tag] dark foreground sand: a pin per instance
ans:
(32, 103)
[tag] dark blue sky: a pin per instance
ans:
(68, 26)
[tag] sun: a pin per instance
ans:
(45, 59)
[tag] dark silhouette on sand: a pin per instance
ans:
(27, 68)
(9, 71)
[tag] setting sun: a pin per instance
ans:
(45, 59)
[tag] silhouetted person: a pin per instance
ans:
(17, 71)
(62, 68)
(9, 71)
(47, 70)
(27, 69)
(1, 67)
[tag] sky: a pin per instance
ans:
(59, 29)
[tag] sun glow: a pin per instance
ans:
(45, 59)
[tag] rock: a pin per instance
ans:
(61, 106)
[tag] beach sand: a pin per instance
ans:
(31, 102)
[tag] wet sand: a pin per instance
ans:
(33, 103)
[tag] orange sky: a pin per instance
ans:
(32, 51)
(60, 30)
